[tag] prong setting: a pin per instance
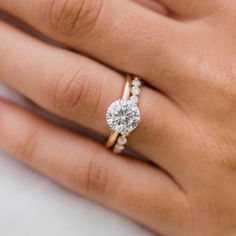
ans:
(123, 115)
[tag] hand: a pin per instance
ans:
(188, 113)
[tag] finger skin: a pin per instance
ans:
(131, 187)
(154, 5)
(77, 88)
(122, 34)
(185, 9)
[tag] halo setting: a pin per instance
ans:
(123, 116)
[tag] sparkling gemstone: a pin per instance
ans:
(123, 116)
(122, 140)
(118, 148)
(136, 78)
(134, 99)
(135, 90)
(136, 83)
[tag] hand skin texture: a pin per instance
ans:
(186, 53)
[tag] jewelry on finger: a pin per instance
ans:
(123, 115)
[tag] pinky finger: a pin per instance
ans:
(129, 186)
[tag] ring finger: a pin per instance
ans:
(76, 87)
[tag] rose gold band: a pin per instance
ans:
(114, 135)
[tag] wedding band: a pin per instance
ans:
(123, 115)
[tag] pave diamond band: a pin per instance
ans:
(123, 115)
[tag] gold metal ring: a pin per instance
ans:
(123, 115)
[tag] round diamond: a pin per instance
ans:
(123, 116)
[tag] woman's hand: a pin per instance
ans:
(188, 113)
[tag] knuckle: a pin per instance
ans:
(67, 17)
(27, 148)
(95, 179)
(73, 91)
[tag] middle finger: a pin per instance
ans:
(121, 34)
(78, 88)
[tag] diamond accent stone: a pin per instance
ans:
(135, 91)
(123, 116)
(136, 78)
(134, 99)
(118, 148)
(122, 140)
(136, 83)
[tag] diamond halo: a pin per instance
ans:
(123, 116)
